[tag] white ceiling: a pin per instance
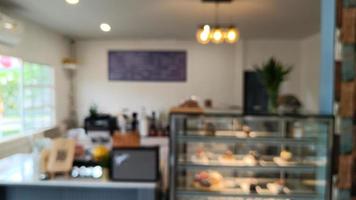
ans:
(171, 19)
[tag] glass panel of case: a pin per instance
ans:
(250, 154)
(230, 182)
(250, 157)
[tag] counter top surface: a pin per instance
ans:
(19, 170)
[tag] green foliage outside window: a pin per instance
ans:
(26, 96)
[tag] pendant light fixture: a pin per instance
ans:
(203, 34)
(217, 34)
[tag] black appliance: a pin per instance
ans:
(135, 164)
(255, 95)
(100, 122)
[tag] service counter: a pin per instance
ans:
(19, 180)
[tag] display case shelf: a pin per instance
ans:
(249, 140)
(305, 196)
(300, 190)
(284, 151)
(296, 169)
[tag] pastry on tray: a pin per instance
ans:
(276, 187)
(246, 187)
(246, 129)
(250, 159)
(285, 158)
(200, 156)
(227, 158)
(208, 181)
(286, 155)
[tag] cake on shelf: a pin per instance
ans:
(208, 180)
(227, 158)
(200, 156)
(250, 159)
(285, 158)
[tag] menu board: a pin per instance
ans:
(169, 66)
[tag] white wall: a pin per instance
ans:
(211, 72)
(46, 47)
(310, 72)
(214, 71)
(239, 66)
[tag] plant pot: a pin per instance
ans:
(272, 102)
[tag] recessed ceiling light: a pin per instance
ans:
(73, 2)
(105, 27)
(9, 26)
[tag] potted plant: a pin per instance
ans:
(272, 74)
(93, 110)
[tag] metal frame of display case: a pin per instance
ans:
(174, 163)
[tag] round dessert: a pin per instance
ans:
(200, 156)
(208, 180)
(215, 178)
(246, 187)
(246, 129)
(286, 155)
(250, 159)
(276, 187)
(227, 158)
(228, 155)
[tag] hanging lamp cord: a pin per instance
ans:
(216, 14)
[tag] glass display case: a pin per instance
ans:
(228, 156)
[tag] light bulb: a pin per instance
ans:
(73, 2)
(9, 25)
(105, 27)
(217, 36)
(232, 35)
(203, 36)
(206, 27)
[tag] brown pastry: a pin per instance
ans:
(246, 129)
(228, 155)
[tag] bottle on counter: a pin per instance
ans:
(153, 125)
(122, 123)
(143, 126)
(134, 122)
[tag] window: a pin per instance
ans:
(26, 96)
(38, 101)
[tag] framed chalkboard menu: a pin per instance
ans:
(148, 66)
